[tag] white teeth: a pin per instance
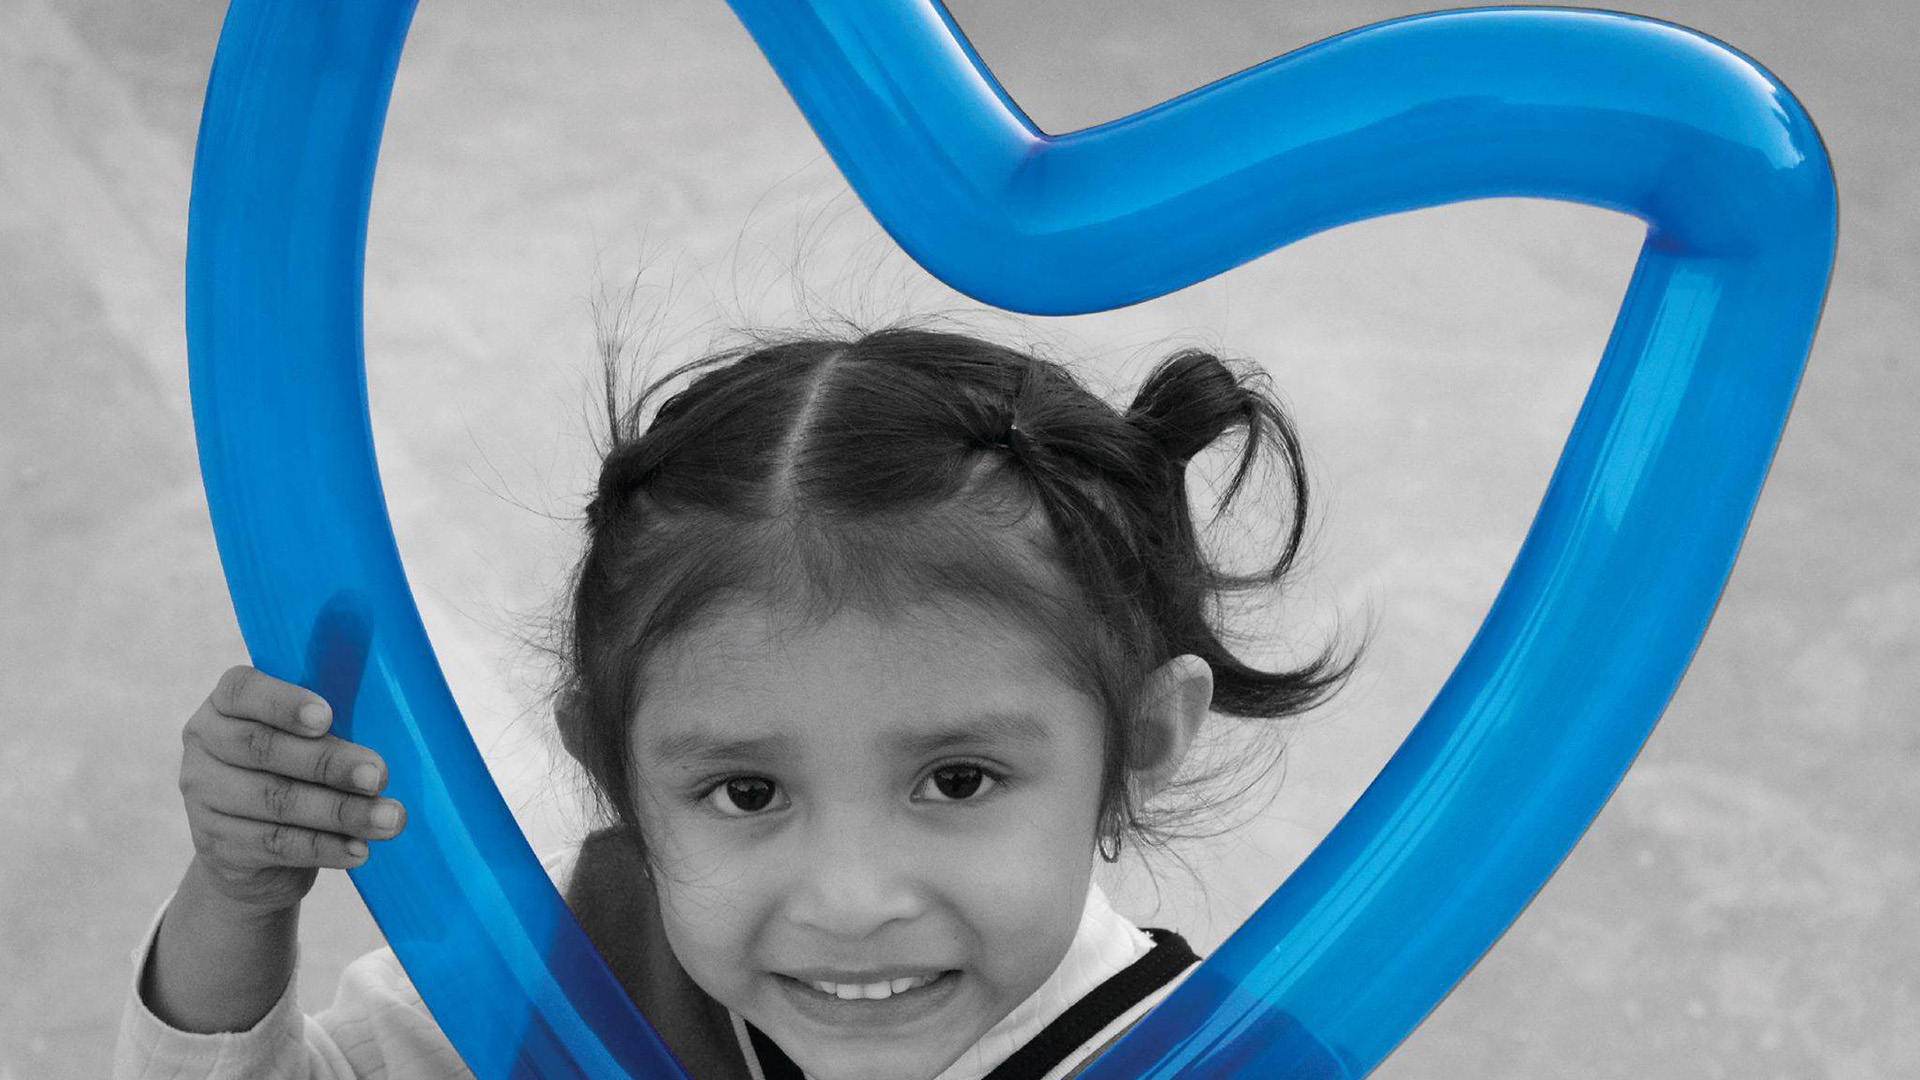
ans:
(878, 991)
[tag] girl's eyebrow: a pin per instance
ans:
(978, 730)
(696, 747)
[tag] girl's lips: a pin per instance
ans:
(901, 1008)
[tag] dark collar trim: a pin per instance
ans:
(774, 1063)
(1090, 1015)
(1069, 1031)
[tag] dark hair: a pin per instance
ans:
(909, 465)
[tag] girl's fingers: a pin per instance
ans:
(328, 760)
(249, 694)
(282, 800)
(244, 844)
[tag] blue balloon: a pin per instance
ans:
(1607, 599)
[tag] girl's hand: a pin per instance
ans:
(271, 797)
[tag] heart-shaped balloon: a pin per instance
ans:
(1581, 651)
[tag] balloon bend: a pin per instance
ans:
(1580, 652)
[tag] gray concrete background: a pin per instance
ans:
(1743, 907)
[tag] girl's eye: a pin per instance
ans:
(959, 783)
(742, 796)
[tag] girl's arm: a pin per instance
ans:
(376, 1027)
(216, 965)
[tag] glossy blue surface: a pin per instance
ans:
(1578, 656)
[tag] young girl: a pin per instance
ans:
(875, 644)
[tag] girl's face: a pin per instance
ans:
(872, 800)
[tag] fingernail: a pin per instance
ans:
(386, 815)
(357, 848)
(366, 776)
(314, 715)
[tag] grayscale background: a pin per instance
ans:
(1744, 907)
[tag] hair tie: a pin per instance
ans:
(1015, 441)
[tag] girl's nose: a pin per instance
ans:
(852, 884)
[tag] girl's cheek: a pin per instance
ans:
(704, 847)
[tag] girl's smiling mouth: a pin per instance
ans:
(883, 1001)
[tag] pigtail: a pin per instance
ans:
(628, 457)
(1192, 400)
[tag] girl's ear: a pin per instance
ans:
(570, 712)
(1174, 704)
